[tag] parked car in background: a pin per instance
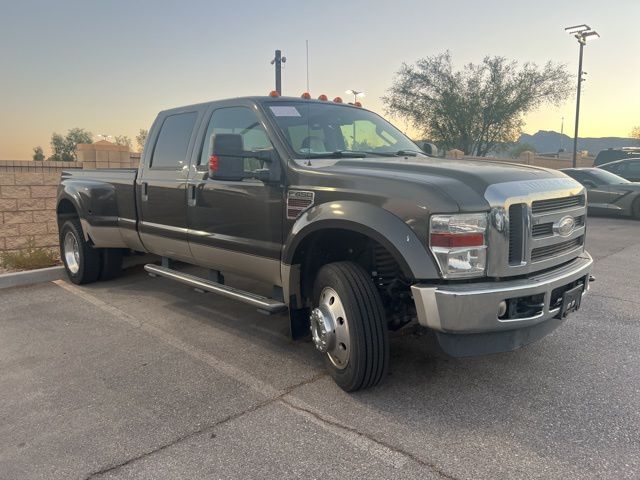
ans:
(613, 154)
(608, 192)
(629, 168)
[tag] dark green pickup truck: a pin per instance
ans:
(355, 228)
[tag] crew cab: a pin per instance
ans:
(356, 230)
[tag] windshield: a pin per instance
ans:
(318, 129)
(607, 178)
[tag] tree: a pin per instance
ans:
(38, 154)
(478, 107)
(64, 148)
(123, 140)
(141, 138)
(635, 133)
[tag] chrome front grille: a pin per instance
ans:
(546, 229)
(543, 237)
(531, 225)
(553, 204)
(542, 230)
(547, 251)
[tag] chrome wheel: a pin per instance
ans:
(71, 253)
(330, 328)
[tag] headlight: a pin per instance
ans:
(459, 244)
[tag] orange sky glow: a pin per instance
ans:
(110, 70)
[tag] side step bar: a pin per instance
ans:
(263, 304)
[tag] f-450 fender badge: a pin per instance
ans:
(298, 201)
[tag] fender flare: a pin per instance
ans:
(373, 221)
(71, 194)
(81, 192)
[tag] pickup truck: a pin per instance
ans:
(357, 231)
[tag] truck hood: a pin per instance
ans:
(463, 181)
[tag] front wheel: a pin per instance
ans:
(348, 326)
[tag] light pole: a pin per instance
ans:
(278, 61)
(582, 33)
(356, 94)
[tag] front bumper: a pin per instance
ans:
(472, 308)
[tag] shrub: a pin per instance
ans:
(30, 258)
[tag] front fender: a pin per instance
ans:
(370, 220)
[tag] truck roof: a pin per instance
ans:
(257, 99)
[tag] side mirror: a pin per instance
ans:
(428, 148)
(589, 184)
(231, 145)
(227, 159)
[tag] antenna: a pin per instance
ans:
(307, 41)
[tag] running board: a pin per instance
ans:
(263, 304)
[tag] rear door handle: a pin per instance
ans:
(145, 191)
(191, 195)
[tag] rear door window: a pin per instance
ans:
(171, 147)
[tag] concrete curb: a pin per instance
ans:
(17, 279)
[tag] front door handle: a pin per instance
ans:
(145, 191)
(191, 195)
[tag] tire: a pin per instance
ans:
(356, 348)
(635, 209)
(111, 263)
(82, 262)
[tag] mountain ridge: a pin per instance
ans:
(549, 141)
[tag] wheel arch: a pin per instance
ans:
(351, 220)
(70, 206)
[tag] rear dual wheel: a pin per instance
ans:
(83, 262)
(348, 326)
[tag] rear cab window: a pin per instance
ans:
(171, 147)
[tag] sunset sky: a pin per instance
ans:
(110, 66)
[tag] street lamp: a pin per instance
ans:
(583, 33)
(355, 94)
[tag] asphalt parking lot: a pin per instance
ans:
(145, 378)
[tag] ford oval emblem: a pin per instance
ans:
(565, 226)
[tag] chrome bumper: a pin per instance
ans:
(473, 307)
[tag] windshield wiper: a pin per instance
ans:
(409, 153)
(337, 154)
(399, 153)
